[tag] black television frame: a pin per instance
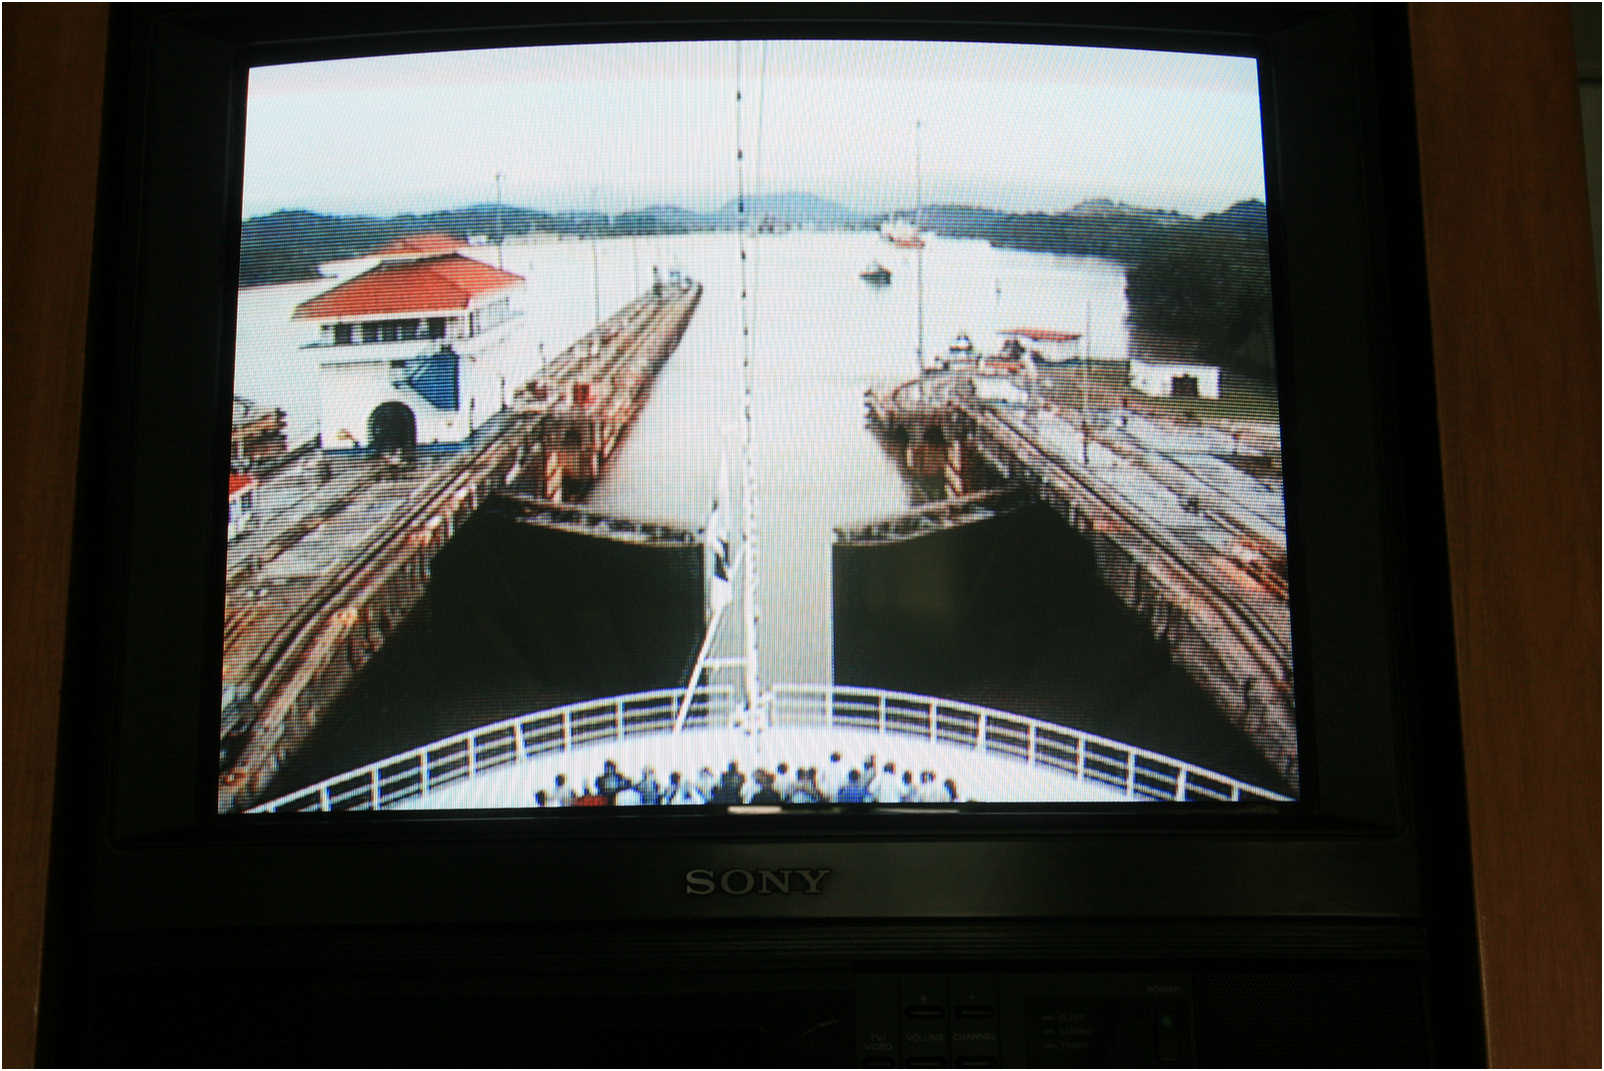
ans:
(1379, 839)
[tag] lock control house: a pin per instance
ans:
(406, 347)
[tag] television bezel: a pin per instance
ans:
(1374, 659)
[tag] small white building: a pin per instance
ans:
(1160, 378)
(405, 344)
(1045, 345)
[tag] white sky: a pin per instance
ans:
(1018, 127)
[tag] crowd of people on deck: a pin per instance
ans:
(836, 781)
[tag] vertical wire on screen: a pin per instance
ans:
(748, 479)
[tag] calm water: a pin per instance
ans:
(820, 337)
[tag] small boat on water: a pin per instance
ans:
(902, 233)
(877, 274)
(962, 348)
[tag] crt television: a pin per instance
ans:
(901, 541)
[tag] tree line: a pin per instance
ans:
(1201, 283)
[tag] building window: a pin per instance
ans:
(437, 327)
(370, 331)
(400, 330)
(342, 334)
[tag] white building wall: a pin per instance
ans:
(482, 391)
(351, 387)
(489, 315)
(1157, 379)
(351, 391)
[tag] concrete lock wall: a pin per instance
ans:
(515, 618)
(1023, 613)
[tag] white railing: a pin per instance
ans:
(1140, 774)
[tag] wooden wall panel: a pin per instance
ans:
(1515, 326)
(54, 70)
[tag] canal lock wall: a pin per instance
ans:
(1248, 693)
(293, 649)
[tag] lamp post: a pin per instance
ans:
(1085, 371)
(595, 265)
(919, 250)
(499, 232)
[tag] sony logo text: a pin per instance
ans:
(741, 882)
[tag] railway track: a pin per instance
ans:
(302, 641)
(1243, 620)
(430, 496)
(300, 629)
(1258, 543)
(1237, 651)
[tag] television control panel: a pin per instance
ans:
(1024, 1019)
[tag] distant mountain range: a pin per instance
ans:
(788, 209)
(289, 245)
(1202, 279)
(794, 209)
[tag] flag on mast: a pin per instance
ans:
(716, 553)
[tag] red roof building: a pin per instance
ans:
(241, 503)
(409, 348)
(421, 245)
(1043, 344)
(431, 284)
(1042, 334)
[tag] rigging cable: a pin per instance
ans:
(757, 169)
(748, 479)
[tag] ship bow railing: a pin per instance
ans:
(834, 711)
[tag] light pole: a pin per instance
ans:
(1085, 371)
(919, 250)
(595, 265)
(500, 234)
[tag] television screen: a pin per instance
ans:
(756, 424)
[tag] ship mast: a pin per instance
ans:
(754, 711)
(919, 250)
(753, 681)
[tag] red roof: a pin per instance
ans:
(238, 481)
(422, 243)
(1042, 334)
(435, 284)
